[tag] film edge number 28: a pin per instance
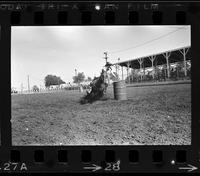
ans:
(100, 158)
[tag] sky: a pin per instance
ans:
(59, 50)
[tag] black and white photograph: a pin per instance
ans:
(101, 85)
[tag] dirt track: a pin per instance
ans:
(159, 115)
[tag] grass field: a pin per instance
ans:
(152, 115)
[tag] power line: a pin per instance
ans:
(147, 41)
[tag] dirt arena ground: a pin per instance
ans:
(152, 115)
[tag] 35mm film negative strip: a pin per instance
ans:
(99, 86)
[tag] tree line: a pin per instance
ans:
(51, 80)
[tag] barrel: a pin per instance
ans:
(119, 89)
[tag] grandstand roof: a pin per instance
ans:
(160, 60)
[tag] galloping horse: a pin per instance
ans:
(98, 89)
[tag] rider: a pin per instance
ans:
(105, 76)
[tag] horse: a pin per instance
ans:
(98, 89)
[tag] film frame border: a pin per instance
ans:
(148, 158)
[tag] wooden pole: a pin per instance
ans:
(116, 68)
(167, 59)
(28, 85)
(122, 73)
(75, 72)
(21, 87)
(132, 72)
(127, 73)
(140, 60)
(128, 64)
(167, 55)
(109, 77)
(184, 52)
(165, 74)
(106, 58)
(152, 58)
(143, 70)
(184, 60)
(177, 72)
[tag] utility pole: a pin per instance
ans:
(21, 87)
(118, 60)
(122, 73)
(118, 68)
(28, 85)
(76, 76)
(75, 72)
(106, 57)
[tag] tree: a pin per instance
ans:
(53, 80)
(35, 88)
(79, 78)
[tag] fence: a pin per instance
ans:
(48, 90)
(158, 73)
